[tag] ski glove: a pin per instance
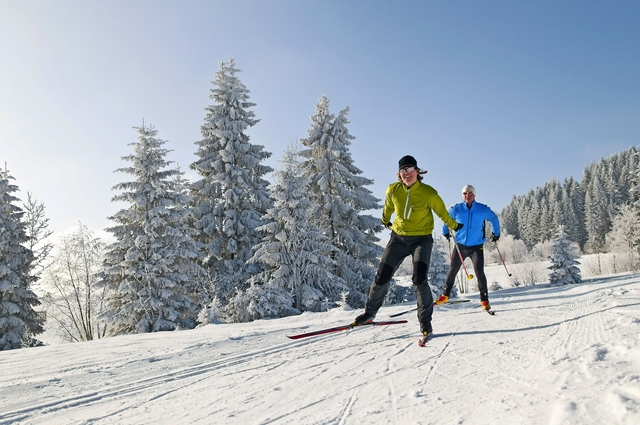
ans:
(494, 238)
(459, 226)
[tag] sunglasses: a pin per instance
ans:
(467, 193)
(407, 169)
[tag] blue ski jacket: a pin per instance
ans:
(473, 232)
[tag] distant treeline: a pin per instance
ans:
(587, 209)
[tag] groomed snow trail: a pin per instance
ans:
(566, 355)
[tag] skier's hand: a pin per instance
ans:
(494, 238)
(448, 236)
(387, 226)
(459, 226)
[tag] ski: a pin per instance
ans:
(344, 328)
(491, 312)
(434, 304)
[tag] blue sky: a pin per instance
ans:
(503, 95)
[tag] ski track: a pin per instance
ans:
(570, 325)
(128, 388)
(545, 352)
(234, 366)
(347, 408)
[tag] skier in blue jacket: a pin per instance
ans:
(470, 240)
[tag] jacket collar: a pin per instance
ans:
(412, 186)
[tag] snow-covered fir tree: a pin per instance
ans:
(341, 196)
(564, 263)
(635, 192)
(18, 319)
(568, 216)
(231, 196)
(152, 268)
(294, 254)
(576, 196)
(634, 180)
(597, 220)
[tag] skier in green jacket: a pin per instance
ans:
(413, 203)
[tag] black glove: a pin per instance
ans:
(448, 236)
(459, 226)
(387, 226)
(494, 238)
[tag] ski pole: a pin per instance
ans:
(403, 312)
(505, 266)
(434, 304)
(453, 236)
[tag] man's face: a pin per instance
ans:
(468, 197)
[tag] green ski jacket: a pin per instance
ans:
(414, 207)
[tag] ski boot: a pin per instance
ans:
(363, 318)
(486, 307)
(425, 337)
(443, 299)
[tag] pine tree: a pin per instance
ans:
(635, 192)
(553, 197)
(635, 181)
(567, 215)
(597, 220)
(546, 222)
(231, 196)
(627, 172)
(614, 198)
(151, 268)
(340, 193)
(18, 319)
(528, 220)
(294, 254)
(564, 254)
(577, 194)
(509, 217)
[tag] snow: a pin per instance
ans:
(550, 355)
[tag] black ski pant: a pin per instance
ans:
(398, 248)
(476, 253)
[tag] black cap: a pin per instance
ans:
(407, 160)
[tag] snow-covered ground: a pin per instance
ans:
(550, 355)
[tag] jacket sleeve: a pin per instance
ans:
(445, 228)
(388, 208)
(437, 205)
(493, 219)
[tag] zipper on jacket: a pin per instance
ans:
(406, 215)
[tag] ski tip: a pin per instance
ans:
(293, 336)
